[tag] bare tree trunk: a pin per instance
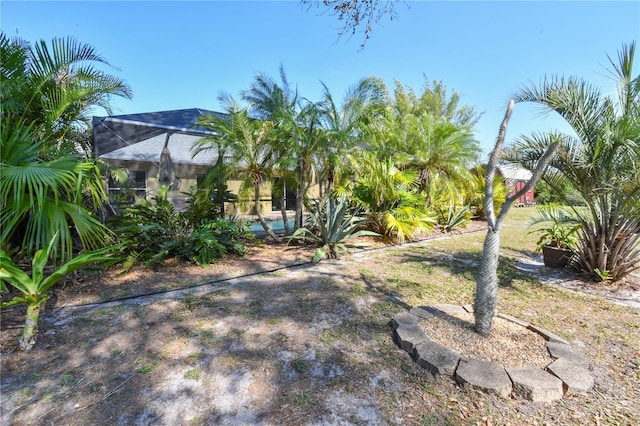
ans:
(486, 297)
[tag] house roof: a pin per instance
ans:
(180, 146)
(115, 132)
(182, 120)
(513, 172)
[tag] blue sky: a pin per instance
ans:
(182, 54)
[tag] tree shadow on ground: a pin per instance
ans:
(263, 349)
(468, 265)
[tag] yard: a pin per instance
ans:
(264, 342)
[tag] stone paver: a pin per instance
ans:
(486, 375)
(409, 336)
(436, 358)
(424, 312)
(513, 320)
(404, 319)
(560, 350)
(535, 384)
(576, 378)
(450, 309)
(547, 335)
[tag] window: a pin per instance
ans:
(127, 193)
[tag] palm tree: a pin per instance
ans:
(436, 102)
(277, 103)
(43, 197)
(601, 162)
(251, 149)
(486, 296)
(307, 143)
(55, 86)
(45, 94)
(394, 210)
(342, 127)
(442, 153)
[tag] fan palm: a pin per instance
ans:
(40, 197)
(394, 210)
(601, 162)
(46, 92)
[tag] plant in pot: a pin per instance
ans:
(558, 235)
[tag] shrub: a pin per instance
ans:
(152, 232)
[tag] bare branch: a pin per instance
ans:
(355, 14)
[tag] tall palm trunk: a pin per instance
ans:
(300, 190)
(267, 229)
(283, 208)
(487, 282)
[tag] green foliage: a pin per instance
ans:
(54, 86)
(152, 232)
(252, 144)
(204, 203)
(603, 275)
(331, 226)
(436, 102)
(598, 162)
(393, 208)
(474, 195)
(455, 219)
(47, 89)
(33, 290)
(563, 194)
(560, 228)
(41, 197)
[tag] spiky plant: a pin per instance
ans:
(331, 226)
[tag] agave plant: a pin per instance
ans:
(455, 219)
(34, 289)
(331, 226)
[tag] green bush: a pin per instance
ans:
(152, 232)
